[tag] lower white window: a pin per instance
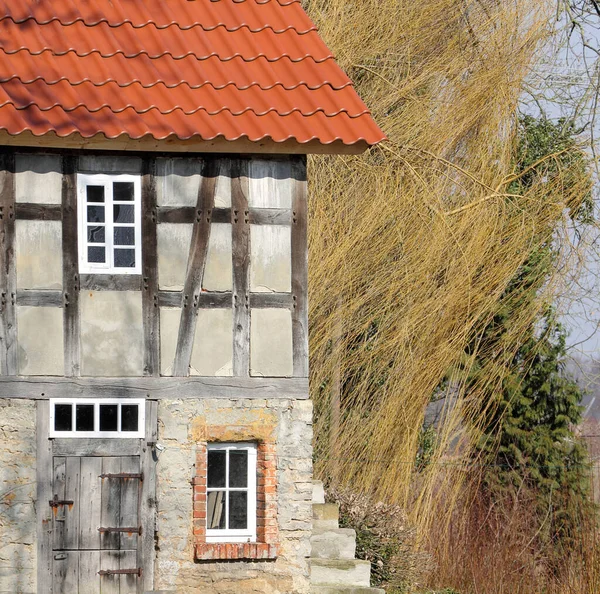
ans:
(231, 492)
(105, 417)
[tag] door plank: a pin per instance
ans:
(65, 572)
(89, 565)
(90, 503)
(58, 513)
(111, 505)
(130, 490)
(71, 534)
(110, 584)
(129, 583)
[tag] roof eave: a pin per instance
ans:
(176, 145)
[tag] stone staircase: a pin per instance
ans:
(333, 568)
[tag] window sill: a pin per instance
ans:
(235, 551)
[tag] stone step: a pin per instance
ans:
(333, 544)
(318, 492)
(340, 572)
(345, 590)
(326, 516)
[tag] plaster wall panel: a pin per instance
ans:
(40, 340)
(169, 329)
(39, 254)
(38, 179)
(103, 164)
(223, 192)
(270, 259)
(173, 253)
(271, 343)
(213, 343)
(178, 181)
(111, 333)
(218, 274)
(270, 184)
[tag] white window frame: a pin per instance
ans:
(100, 179)
(235, 535)
(139, 434)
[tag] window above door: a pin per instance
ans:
(106, 418)
(110, 223)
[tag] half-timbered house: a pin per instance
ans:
(155, 426)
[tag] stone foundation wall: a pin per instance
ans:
(184, 424)
(17, 497)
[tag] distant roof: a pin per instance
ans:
(174, 73)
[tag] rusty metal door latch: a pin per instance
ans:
(128, 530)
(137, 571)
(56, 503)
(123, 475)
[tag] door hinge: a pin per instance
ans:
(128, 530)
(137, 571)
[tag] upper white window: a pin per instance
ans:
(231, 492)
(105, 417)
(110, 223)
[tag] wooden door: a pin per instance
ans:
(96, 525)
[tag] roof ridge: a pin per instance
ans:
(105, 21)
(215, 112)
(349, 83)
(175, 57)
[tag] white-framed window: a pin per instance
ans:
(103, 417)
(110, 223)
(231, 492)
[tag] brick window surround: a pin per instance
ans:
(266, 510)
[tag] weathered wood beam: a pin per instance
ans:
(241, 268)
(40, 298)
(43, 495)
(150, 310)
(146, 549)
(72, 322)
(156, 388)
(270, 216)
(300, 267)
(38, 212)
(196, 265)
(8, 275)
(95, 447)
(271, 301)
(111, 282)
(190, 214)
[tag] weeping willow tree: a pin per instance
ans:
(413, 243)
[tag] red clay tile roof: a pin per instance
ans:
(174, 69)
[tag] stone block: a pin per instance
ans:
(169, 330)
(333, 544)
(38, 249)
(178, 181)
(212, 353)
(340, 572)
(271, 343)
(38, 179)
(173, 252)
(270, 258)
(111, 333)
(40, 340)
(218, 274)
(270, 184)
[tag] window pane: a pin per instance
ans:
(96, 235)
(124, 258)
(95, 214)
(96, 255)
(238, 510)
(123, 213)
(216, 468)
(63, 417)
(95, 193)
(129, 417)
(123, 191)
(215, 512)
(108, 417)
(238, 468)
(84, 418)
(124, 236)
